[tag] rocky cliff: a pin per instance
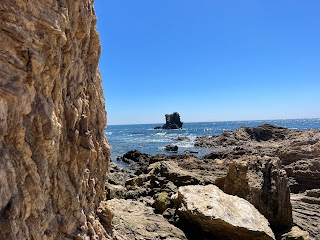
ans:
(53, 153)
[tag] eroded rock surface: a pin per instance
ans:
(262, 182)
(224, 216)
(306, 211)
(134, 221)
(298, 151)
(53, 152)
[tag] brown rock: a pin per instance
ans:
(306, 211)
(133, 220)
(224, 216)
(262, 182)
(53, 152)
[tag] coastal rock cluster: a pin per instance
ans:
(258, 165)
(56, 179)
(53, 151)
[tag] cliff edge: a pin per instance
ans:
(53, 152)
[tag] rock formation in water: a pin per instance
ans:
(53, 152)
(172, 122)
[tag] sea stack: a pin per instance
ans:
(172, 122)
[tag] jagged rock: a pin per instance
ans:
(165, 171)
(264, 132)
(115, 191)
(53, 151)
(171, 148)
(296, 233)
(173, 121)
(133, 220)
(262, 182)
(136, 160)
(181, 139)
(304, 174)
(306, 211)
(117, 175)
(223, 215)
(162, 202)
(244, 135)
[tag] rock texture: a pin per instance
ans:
(298, 151)
(134, 221)
(262, 182)
(172, 122)
(306, 211)
(296, 233)
(223, 215)
(53, 152)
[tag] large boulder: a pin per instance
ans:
(223, 216)
(262, 182)
(133, 220)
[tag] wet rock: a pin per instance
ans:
(262, 182)
(172, 121)
(171, 148)
(134, 220)
(222, 215)
(181, 139)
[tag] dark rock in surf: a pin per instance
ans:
(172, 122)
(172, 148)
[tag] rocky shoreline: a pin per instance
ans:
(273, 171)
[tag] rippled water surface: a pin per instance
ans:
(144, 138)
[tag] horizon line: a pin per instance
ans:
(281, 119)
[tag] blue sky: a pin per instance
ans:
(209, 60)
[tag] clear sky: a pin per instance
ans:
(209, 60)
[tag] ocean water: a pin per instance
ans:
(143, 137)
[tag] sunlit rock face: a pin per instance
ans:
(53, 153)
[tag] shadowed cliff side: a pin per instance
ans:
(53, 153)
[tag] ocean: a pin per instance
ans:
(146, 139)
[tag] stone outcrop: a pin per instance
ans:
(133, 220)
(172, 122)
(306, 211)
(262, 182)
(298, 151)
(223, 215)
(53, 152)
